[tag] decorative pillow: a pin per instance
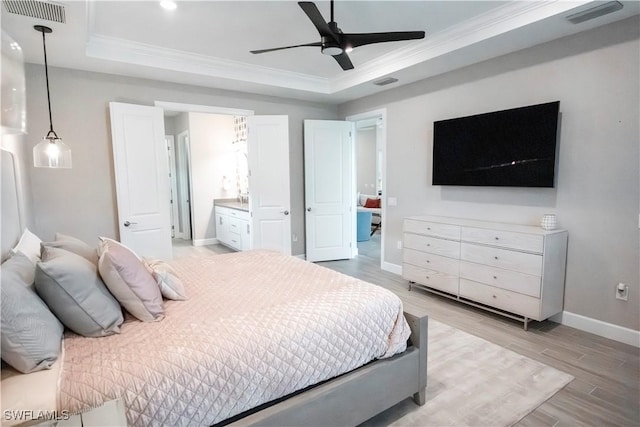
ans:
(29, 244)
(70, 285)
(20, 267)
(170, 284)
(74, 245)
(129, 281)
(30, 334)
(372, 203)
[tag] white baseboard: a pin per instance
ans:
(301, 256)
(587, 324)
(392, 268)
(205, 242)
(598, 327)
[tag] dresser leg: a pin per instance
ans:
(526, 323)
(410, 283)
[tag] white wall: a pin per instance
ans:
(595, 76)
(81, 201)
(212, 156)
(366, 160)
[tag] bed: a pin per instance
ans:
(263, 339)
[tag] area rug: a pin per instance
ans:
(473, 382)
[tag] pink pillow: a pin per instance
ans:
(129, 281)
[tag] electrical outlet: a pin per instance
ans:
(399, 244)
(622, 292)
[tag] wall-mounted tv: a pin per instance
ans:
(509, 148)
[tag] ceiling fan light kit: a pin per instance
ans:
(338, 44)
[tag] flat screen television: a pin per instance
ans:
(509, 148)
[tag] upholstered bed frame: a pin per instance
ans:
(353, 398)
(12, 226)
(349, 399)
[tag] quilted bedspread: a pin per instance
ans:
(257, 326)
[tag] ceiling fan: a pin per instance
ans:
(336, 43)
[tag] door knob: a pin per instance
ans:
(308, 209)
(285, 212)
(127, 223)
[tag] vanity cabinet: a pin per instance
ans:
(233, 227)
(514, 270)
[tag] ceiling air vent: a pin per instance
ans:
(385, 81)
(594, 12)
(36, 9)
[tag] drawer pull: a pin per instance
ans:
(429, 228)
(495, 277)
(428, 277)
(497, 238)
(428, 244)
(495, 257)
(495, 297)
(428, 262)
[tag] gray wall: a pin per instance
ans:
(595, 75)
(81, 201)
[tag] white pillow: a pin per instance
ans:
(29, 245)
(170, 284)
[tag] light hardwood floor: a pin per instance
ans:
(606, 389)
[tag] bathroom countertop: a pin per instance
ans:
(232, 204)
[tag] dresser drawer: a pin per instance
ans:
(506, 239)
(430, 278)
(432, 245)
(505, 279)
(435, 229)
(431, 261)
(502, 258)
(501, 298)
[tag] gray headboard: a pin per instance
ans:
(10, 204)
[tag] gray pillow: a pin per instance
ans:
(74, 245)
(30, 334)
(73, 290)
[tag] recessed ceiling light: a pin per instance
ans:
(168, 4)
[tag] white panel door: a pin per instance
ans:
(269, 200)
(328, 172)
(142, 179)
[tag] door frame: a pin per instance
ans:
(381, 138)
(197, 108)
(184, 154)
(170, 140)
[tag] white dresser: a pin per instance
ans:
(514, 270)
(233, 227)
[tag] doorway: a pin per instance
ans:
(370, 166)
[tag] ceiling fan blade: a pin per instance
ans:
(316, 18)
(355, 40)
(344, 61)
(317, 44)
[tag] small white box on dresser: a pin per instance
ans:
(514, 270)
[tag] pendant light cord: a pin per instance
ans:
(46, 74)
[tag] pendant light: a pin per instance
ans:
(51, 152)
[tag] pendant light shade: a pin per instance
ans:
(51, 152)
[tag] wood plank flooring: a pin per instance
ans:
(606, 389)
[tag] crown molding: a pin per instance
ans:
(501, 20)
(120, 50)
